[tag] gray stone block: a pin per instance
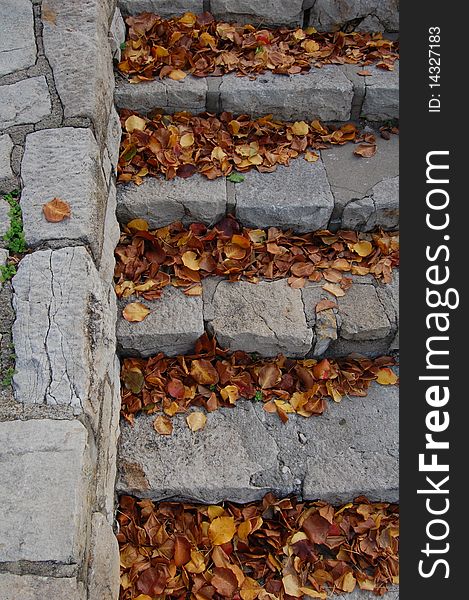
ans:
(389, 297)
(26, 101)
(117, 34)
(161, 7)
(173, 326)
(352, 449)
(63, 163)
(324, 323)
(64, 333)
(353, 179)
(189, 94)
(6, 174)
(381, 101)
(379, 209)
(104, 567)
(45, 470)
(372, 15)
(77, 47)
(324, 94)
(35, 587)
(17, 41)
(266, 318)
(161, 202)
(262, 12)
(4, 219)
(295, 197)
(111, 236)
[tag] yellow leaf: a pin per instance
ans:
(190, 260)
(163, 425)
(137, 225)
(386, 376)
(307, 591)
(230, 392)
(135, 312)
(250, 589)
(172, 409)
(146, 286)
(291, 585)
(244, 530)
(300, 128)
(298, 536)
(177, 75)
(311, 156)
(143, 597)
(310, 46)
(334, 289)
(196, 420)
(348, 582)
(207, 40)
(187, 140)
(197, 562)
(363, 248)
(188, 18)
(218, 154)
(310, 30)
(133, 122)
(221, 530)
(160, 51)
(215, 511)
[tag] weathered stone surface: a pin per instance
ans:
(45, 469)
(17, 42)
(270, 12)
(324, 94)
(4, 219)
(64, 333)
(266, 318)
(173, 325)
(389, 297)
(324, 323)
(33, 587)
(161, 7)
(113, 138)
(353, 178)
(297, 196)
(161, 202)
(3, 262)
(26, 101)
(77, 47)
(172, 96)
(6, 174)
(63, 163)
(352, 449)
(381, 101)
(379, 209)
(117, 34)
(372, 15)
(104, 568)
(111, 237)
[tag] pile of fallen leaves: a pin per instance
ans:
(157, 47)
(214, 145)
(147, 261)
(269, 550)
(212, 378)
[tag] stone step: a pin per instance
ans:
(325, 15)
(340, 190)
(243, 453)
(331, 94)
(268, 318)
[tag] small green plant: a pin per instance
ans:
(7, 272)
(123, 46)
(8, 377)
(213, 387)
(235, 177)
(15, 236)
(258, 396)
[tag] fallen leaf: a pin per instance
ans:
(300, 128)
(325, 304)
(56, 210)
(196, 420)
(135, 312)
(163, 425)
(386, 376)
(363, 248)
(365, 150)
(311, 156)
(177, 75)
(221, 530)
(135, 123)
(334, 289)
(137, 225)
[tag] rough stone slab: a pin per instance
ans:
(379, 209)
(34, 587)
(161, 7)
(271, 12)
(64, 333)
(4, 219)
(266, 318)
(324, 94)
(189, 94)
(381, 101)
(117, 34)
(350, 450)
(173, 326)
(161, 202)
(389, 297)
(3, 262)
(6, 146)
(104, 566)
(111, 237)
(296, 197)
(353, 180)
(77, 47)
(373, 15)
(63, 163)
(45, 469)
(17, 41)
(26, 101)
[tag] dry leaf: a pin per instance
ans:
(163, 426)
(325, 304)
(135, 312)
(365, 150)
(196, 421)
(221, 530)
(386, 376)
(135, 123)
(311, 156)
(363, 248)
(56, 210)
(334, 289)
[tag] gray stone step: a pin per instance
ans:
(332, 93)
(244, 452)
(325, 15)
(340, 190)
(268, 318)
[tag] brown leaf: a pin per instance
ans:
(316, 528)
(196, 420)
(56, 210)
(163, 425)
(365, 150)
(135, 312)
(334, 289)
(204, 372)
(224, 581)
(182, 551)
(325, 304)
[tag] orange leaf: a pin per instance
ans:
(221, 530)
(163, 425)
(177, 75)
(386, 376)
(204, 372)
(56, 210)
(135, 312)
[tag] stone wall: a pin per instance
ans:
(59, 422)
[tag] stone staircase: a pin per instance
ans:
(243, 452)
